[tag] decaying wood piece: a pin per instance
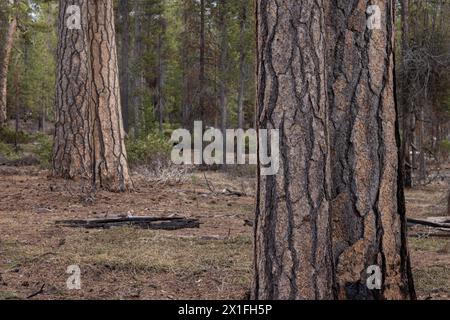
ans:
(153, 223)
(434, 222)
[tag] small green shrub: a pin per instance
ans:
(444, 148)
(8, 135)
(7, 151)
(43, 149)
(147, 150)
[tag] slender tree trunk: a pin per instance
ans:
(138, 80)
(124, 11)
(293, 255)
(405, 100)
(161, 76)
(6, 43)
(73, 145)
(223, 103)
(368, 209)
(186, 107)
(422, 163)
(202, 78)
(243, 19)
(110, 157)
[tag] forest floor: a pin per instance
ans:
(211, 262)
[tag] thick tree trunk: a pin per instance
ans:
(241, 90)
(73, 145)
(89, 136)
(110, 157)
(293, 255)
(6, 42)
(368, 213)
(124, 11)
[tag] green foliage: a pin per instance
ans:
(444, 147)
(9, 136)
(43, 149)
(146, 150)
(7, 151)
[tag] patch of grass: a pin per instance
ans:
(428, 244)
(8, 295)
(429, 280)
(142, 250)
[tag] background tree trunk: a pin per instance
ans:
(8, 27)
(293, 255)
(124, 11)
(243, 20)
(73, 145)
(407, 112)
(368, 212)
(223, 66)
(110, 158)
(202, 61)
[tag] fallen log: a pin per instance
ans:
(431, 222)
(153, 223)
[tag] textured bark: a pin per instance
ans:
(369, 225)
(110, 158)
(72, 150)
(89, 135)
(8, 29)
(292, 228)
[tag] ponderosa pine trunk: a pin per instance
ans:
(368, 209)
(89, 135)
(8, 27)
(73, 145)
(293, 254)
(110, 158)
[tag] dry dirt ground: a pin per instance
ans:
(212, 262)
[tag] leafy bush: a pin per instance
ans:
(7, 151)
(146, 151)
(444, 148)
(8, 135)
(43, 149)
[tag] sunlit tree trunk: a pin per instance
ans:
(89, 135)
(110, 158)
